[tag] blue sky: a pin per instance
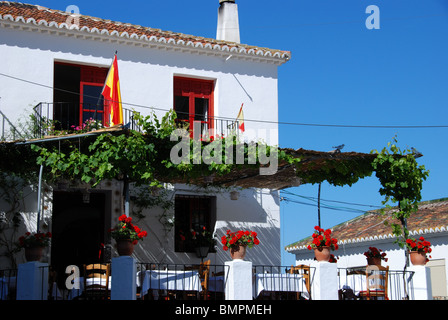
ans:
(340, 73)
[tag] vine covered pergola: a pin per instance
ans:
(142, 157)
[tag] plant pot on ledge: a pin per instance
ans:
(33, 253)
(418, 258)
(322, 254)
(125, 247)
(374, 261)
(238, 252)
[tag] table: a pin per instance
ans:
(283, 282)
(355, 280)
(168, 280)
(216, 283)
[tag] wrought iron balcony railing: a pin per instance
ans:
(67, 117)
(64, 117)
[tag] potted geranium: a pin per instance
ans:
(34, 243)
(238, 241)
(322, 244)
(374, 256)
(418, 250)
(127, 235)
(202, 241)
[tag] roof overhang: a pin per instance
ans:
(54, 22)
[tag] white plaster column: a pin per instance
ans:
(238, 280)
(421, 281)
(324, 281)
(124, 278)
(32, 281)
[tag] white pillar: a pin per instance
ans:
(124, 278)
(238, 281)
(421, 282)
(32, 281)
(324, 281)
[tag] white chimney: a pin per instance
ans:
(228, 26)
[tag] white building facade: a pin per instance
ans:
(49, 57)
(357, 235)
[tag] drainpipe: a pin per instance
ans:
(39, 205)
(126, 195)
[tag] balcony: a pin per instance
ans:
(61, 118)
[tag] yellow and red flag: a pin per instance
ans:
(240, 119)
(112, 96)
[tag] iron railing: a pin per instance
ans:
(65, 117)
(352, 281)
(282, 283)
(161, 281)
(8, 284)
(8, 131)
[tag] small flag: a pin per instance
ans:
(112, 96)
(240, 119)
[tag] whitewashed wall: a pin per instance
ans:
(146, 78)
(352, 254)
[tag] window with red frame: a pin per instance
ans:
(193, 102)
(77, 94)
(192, 213)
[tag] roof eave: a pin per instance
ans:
(245, 52)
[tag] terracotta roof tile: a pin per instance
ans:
(38, 15)
(432, 216)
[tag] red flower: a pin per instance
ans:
(323, 238)
(420, 245)
(241, 237)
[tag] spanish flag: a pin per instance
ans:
(112, 96)
(240, 119)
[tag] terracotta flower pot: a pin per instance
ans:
(322, 254)
(238, 252)
(125, 247)
(33, 253)
(374, 261)
(418, 258)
